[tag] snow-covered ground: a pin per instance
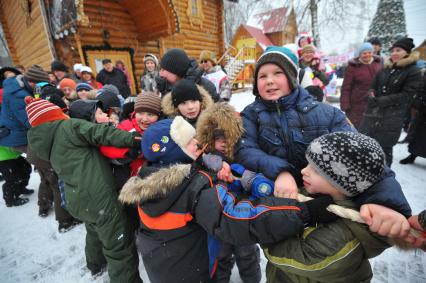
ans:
(32, 250)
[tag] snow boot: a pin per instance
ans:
(68, 225)
(408, 160)
(17, 202)
(26, 191)
(98, 272)
(43, 211)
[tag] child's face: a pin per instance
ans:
(193, 149)
(87, 76)
(83, 94)
(272, 83)
(145, 119)
(315, 183)
(220, 144)
(150, 66)
(190, 108)
(308, 56)
(101, 116)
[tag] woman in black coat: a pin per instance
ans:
(417, 143)
(391, 96)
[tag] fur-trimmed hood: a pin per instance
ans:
(157, 185)
(171, 111)
(355, 62)
(220, 116)
(412, 58)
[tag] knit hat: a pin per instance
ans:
(36, 74)
(42, 111)
(308, 48)
(352, 162)
(83, 86)
(366, 46)
(66, 82)
(58, 66)
(108, 95)
(150, 57)
(208, 55)
(77, 67)
(84, 109)
(86, 69)
(148, 102)
(176, 61)
(282, 57)
(185, 90)
(404, 43)
(164, 142)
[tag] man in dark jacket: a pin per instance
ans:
(71, 146)
(111, 75)
(176, 65)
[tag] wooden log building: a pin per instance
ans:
(87, 31)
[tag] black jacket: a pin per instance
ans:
(117, 78)
(179, 206)
(394, 88)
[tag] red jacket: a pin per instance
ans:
(111, 152)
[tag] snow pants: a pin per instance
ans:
(109, 237)
(16, 174)
(247, 259)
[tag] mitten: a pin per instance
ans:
(212, 162)
(318, 212)
(262, 186)
(161, 84)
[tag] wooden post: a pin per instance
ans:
(80, 50)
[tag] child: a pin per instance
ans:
(16, 173)
(89, 110)
(179, 204)
(187, 100)
(71, 146)
(85, 91)
(283, 120)
(150, 73)
(341, 165)
(220, 127)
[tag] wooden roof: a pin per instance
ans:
(271, 21)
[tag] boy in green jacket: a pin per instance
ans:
(342, 165)
(71, 146)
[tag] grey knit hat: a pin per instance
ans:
(352, 162)
(36, 74)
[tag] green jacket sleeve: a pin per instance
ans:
(101, 134)
(324, 253)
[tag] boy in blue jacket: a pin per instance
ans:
(280, 124)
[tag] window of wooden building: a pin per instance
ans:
(195, 12)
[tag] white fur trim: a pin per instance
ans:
(181, 132)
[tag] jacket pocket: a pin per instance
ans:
(271, 136)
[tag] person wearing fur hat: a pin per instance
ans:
(71, 146)
(176, 65)
(283, 120)
(215, 74)
(150, 73)
(341, 165)
(393, 90)
(113, 76)
(180, 204)
(357, 81)
(88, 77)
(187, 99)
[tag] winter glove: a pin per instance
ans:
(161, 84)
(133, 153)
(137, 138)
(318, 212)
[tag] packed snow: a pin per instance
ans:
(32, 250)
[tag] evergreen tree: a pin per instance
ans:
(388, 23)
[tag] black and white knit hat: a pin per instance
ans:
(352, 162)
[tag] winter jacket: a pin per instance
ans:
(170, 111)
(277, 134)
(117, 78)
(220, 80)
(148, 82)
(333, 252)
(417, 144)
(180, 205)
(13, 115)
(394, 88)
(357, 82)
